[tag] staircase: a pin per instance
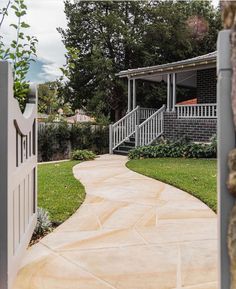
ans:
(139, 127)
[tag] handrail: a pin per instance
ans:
(126, 116)
(123, 128)
(150, 129)
(202, 110)
(199, 104)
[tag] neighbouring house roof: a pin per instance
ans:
(199, 62)
(80, 116)
(42, 117)
(188, 102)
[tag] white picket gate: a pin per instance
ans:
(18, 176)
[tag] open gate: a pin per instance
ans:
(18, 176)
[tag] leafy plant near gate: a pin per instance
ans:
(175, 149)
(82, 155)
(22, 49)
(44, 224)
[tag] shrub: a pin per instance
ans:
(82, 155)
(46, 142)
(175, 149)
(44, 224)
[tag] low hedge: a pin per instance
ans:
(82, 155)
(175, 149)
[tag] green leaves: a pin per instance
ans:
(25, 25)
(175, 149)
(22, 50)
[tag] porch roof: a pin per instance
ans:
(195, 63)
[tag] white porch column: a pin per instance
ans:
(174, 91)
(134, 93)
(168, 92)
(129, 95)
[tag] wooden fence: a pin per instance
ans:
(18, 176)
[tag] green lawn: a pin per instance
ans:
(58, 191)
(196, 176)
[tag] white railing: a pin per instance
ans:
(150, 129)
(124, 128)
(208, 110)
(146, 112)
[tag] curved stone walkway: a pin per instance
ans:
(132, 232)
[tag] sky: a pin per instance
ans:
(44, 16)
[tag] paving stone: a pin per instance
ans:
(132, 232)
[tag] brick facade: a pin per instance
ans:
(206, 86)
(197, 130)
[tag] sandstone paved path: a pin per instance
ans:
(132, 232)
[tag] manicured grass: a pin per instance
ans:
(58, 191)
(196, 176)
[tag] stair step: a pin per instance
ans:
(124, 148)
(129, 143)
(119, 152)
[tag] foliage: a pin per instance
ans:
(82, 155)
(195, 176)
(175, 149)
(58, 191)
(44, 224)
(87, 136)
(49, 101)
(53, 138)
(22, 49)
(56, 139)
(104, 37)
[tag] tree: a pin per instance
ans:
(47, 98)
(22, 49)
(49, 101)
(105, 37)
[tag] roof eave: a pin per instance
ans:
(164, 70)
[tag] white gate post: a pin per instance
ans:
(226, 142)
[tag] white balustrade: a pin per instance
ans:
(208, 110)
(124, 128)
(150, 129)
(146, 112)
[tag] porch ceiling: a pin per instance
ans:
(184, 78)
(156, 73)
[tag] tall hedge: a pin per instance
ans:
(57, 140)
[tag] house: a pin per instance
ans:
(42, 117)
(80, 116)
(195, 117)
